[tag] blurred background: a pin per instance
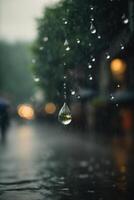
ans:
(81, 53)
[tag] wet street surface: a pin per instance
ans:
(45, 162)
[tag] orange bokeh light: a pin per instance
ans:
(118, 67)
(26, 111)
(50, 108)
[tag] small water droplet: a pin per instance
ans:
(125, 19)
(91, 7)
(108, 56)
(65, 22)
(99, 37)
(111, 97)
(93, 59)
(122, 47)
(65, 115)
(66, 43)
(92, 28)
(91, 18)
(78, 97)
(118, 86)
(73, 92)
(90, 77)
(89, 66)
(36, 79)
(78, 41)
(68, 49)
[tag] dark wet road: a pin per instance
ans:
(48, 163)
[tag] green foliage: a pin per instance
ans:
(50, 61)
(15, 75)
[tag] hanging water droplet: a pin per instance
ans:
(112, 97)
(68, 49)
(73, 92)
(36, 79)
(91, 7)
(118, 86)
(92, 28)
(64, 85)
(89, 66)
(65, 115)
(99, 37)
(90, 77)
(108, 56)
(125, 19)
(65, 22)
(92, 19)
(78, 41)
(93, 59)
(122, 46)
(66, 43)
(78, 97)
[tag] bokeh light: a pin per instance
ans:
(50, 108)
(118, 67)
(26, 111)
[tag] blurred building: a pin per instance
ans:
(116, 88)
(109, 106)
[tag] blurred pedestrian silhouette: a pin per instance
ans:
(4, 117)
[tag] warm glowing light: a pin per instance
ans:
(118, 67)
(50, 108)
(26, 111)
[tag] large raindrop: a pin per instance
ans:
(65, 116)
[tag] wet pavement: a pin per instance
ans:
(45, 162)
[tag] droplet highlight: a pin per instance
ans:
(92, 28)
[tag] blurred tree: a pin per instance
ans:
(15, 76)
(70, 36)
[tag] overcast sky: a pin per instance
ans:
(17, 18)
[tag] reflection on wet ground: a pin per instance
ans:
(43, 162)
